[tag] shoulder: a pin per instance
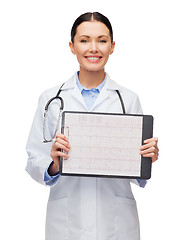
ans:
(51, 92)
(67, 84)
(128, 93)
(131, 101)
(130, 98)
(113, 85)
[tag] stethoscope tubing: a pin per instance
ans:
(61, 109)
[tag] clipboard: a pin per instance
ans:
(106, 144)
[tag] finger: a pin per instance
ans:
(58, 145)
(149, 150)
(62, 141)
(59, 154)
(63, 154)
(62, 136)
(153, 156)
(151, 140)
(148, 145)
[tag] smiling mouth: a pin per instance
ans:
(93, 59)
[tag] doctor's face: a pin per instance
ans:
(92, 45)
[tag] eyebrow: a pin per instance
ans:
(89, 36)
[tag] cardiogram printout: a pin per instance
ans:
(103, 144)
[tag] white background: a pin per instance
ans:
(148, 59)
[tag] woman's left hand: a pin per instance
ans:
(150, 148)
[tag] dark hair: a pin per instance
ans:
(91, 16)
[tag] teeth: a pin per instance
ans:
(93, 58)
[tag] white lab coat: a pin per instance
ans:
(84, 208)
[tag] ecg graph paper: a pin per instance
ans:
(103, 144)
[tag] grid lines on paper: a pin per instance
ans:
(104, 144)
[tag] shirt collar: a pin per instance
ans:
(109, 85)
(81, 87)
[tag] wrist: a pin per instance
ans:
(53, 169)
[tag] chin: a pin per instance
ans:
(92, 68)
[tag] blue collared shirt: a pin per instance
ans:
(90, 95)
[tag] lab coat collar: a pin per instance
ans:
(104, 95)
(110, 84)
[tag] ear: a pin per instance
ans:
(112, 47)
(71, 45)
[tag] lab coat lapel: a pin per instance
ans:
(76, 94)
(74, 91)
(105, 92)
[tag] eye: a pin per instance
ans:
(103, 41)
(83, 40)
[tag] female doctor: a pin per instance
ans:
(81, 208)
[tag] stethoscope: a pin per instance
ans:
(61, 109)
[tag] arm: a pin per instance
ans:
(43, 158)
(38, 152)
(39, 158)
(61, 143)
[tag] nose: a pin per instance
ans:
(93, 47)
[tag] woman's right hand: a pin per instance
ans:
(61, 143)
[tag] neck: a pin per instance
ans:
(91, 79)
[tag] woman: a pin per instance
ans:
(86, 207)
